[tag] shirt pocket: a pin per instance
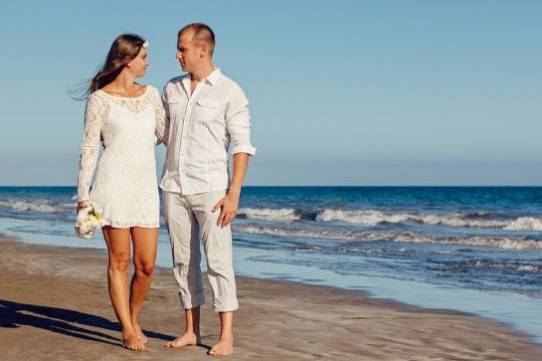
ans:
(207, 110)
(173, 97)
(175, 107)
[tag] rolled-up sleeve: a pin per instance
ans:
(238, 123)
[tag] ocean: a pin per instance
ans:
(471, 249)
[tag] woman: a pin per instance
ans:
(128, 119)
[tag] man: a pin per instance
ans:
(208, 113)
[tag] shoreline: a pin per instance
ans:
(277, 318)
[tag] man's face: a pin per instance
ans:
(188, 51)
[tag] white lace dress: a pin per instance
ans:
(125, 186)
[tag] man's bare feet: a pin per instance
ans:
(224, 347)
(133, 343)
(186, 339)
(139, 333)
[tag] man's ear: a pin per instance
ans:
(204, 50)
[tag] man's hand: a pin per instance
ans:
(230, 203)
(228, 207)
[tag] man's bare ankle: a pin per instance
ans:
(188, 334)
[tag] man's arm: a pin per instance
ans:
(238, 126)
(230, 203)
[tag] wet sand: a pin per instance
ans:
(54, 305)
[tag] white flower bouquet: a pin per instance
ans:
(88, 221)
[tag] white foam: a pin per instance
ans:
(530, 223)
(281, 214)
(389, 236)
(374, 217)
(505, 265)
(277, 231)
(369, 217)
(529, 268)
(40, 206)
(502, 242)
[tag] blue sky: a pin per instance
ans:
(342, 93)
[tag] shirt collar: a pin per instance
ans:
(213, 77)
(186, 81)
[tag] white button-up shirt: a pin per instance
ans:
(202, 126)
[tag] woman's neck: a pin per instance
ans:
(123, 84)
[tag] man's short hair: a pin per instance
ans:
(202, 32)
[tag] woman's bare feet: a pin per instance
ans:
(133, 342)
(224, 347)
(186, 339)
(139, 333)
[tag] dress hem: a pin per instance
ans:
(130, 225)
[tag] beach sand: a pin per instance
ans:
(54, 305)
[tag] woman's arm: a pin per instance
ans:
(162, 119)
(95, 113)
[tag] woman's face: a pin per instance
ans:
(139, 64)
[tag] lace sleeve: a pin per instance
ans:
(162, 120)
(96, 111)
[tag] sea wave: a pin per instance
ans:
(390, 236)
(375, 217)
(512, 266)
(529, 223)
(39, 206)
(280, 214)
(477, 219)
(480, 219)
(504, 267)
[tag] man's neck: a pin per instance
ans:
(202, 73)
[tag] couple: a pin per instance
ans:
(199, 116)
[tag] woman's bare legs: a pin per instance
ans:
(118, 247)
(145, 241)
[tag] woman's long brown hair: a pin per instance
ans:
(123, 50)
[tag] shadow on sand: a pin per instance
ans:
(63, 321)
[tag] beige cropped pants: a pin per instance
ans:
(188, 217)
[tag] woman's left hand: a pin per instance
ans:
(81, 204)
